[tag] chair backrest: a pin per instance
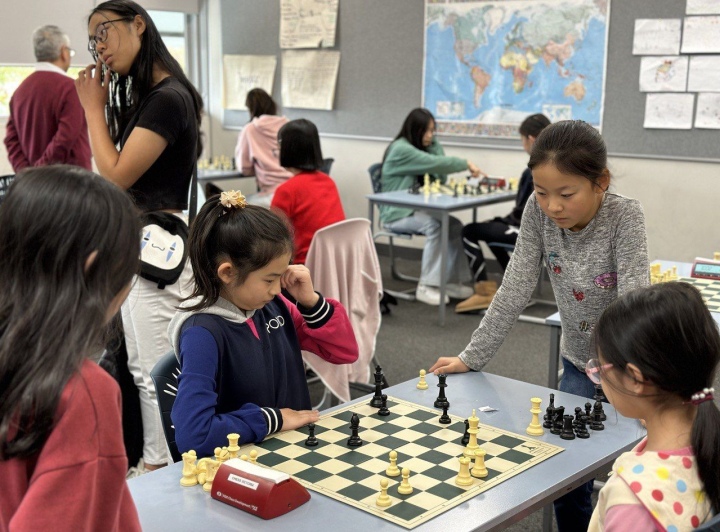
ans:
(711, 526)
(375, 172)
(327, 165)
(165, 377)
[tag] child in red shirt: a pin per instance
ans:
(310, 198)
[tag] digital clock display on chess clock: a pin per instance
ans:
(706, 269)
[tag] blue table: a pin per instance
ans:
(444, 204)
(164, 505)
(553, 321)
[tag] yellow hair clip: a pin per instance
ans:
(233, 199)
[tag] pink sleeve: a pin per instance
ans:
(333, 341)
(243, 157)
(629, 518)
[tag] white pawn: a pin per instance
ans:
(464, 478)
(253, 456)
(479, 470)
(244, 457)
(422, 383)
(405, 488)
(393, 470)
(383, 499)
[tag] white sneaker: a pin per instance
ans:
(458, 291)
(429, 295)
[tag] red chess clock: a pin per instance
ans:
(705, 269)
(257, 490)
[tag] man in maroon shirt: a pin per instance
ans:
(47, 123)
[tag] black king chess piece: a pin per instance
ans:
(376, 401)
(441, 399)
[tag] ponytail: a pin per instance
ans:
(248, 236)
(705, 440)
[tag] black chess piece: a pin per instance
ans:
(578, 415)
(547, 418)
(597, 423)
(441, 399)
(588, 409)
(445, 419)
(311, 441)
(376, 401)
(354, 440)
(581, 430)
(599, 394)
(597, 407)
(466, 436)
(384, 410)
(567, 430)
(557, 421)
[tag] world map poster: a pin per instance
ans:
(490, 64)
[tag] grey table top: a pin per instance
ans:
(164, 505)
(441, 202)
(683, 269)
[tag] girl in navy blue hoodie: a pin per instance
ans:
(238, 339)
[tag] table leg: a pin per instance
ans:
(444, 237)
(555, 333)
(547, 518)
(371, 215)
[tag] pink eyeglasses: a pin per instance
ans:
(594, 368)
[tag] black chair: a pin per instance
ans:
(375, 175)
(327, 165)
(165, 377)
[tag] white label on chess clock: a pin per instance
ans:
(236, 479)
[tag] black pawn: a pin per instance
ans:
(581, 430)
(578, 415)
(597, 423)
(354, 440)
(384, 410)
(376, 401)
(312, 440)
(445, 419)
(588, 409)
(567, 430)
(441, 399)
(597, 407)
(466, 437)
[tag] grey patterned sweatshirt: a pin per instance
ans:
(588, 270)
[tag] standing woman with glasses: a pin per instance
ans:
(153, 116)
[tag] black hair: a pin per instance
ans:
(127, 92)
(669, 334)
(260, 103)
(533, 125)
(54, 303)
(574, 147)
(300, 145)
(249, 237)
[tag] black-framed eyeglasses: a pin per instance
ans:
(101, 36)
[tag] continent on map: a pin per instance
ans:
(576, 89)
(481, 80)
(521, 65)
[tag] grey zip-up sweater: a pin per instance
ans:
(588, 270)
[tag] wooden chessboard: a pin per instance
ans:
(430, 450)
(709, 289)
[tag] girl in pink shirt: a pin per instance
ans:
(658, 350)
(257, 151)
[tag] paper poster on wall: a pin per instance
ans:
(702, 7)
(704, 73)
(701, 35)
(707, 115)
(309, 78)
(669, 111)
(663, 74)
(308, 23)
(244, 72)
(657, 37)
